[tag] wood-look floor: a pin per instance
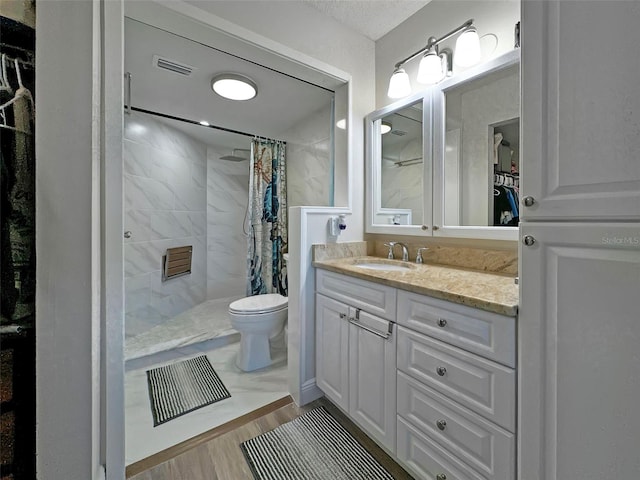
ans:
(220, 458)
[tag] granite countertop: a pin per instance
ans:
(488, 291)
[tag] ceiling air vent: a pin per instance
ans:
(400, 133)
(172, 66)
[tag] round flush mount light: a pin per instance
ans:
(385, 127)
(204, 123)
(234, 86)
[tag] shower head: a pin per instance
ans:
(235, 158)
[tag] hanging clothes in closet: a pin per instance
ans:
(505, 200)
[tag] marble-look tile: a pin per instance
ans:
(170, 224)
(309, 192)
(142, 257)
(141, 193)
(138, 222)
(227, 285)
(139, 161)
(176, 170)
(198, 223)
(143, 319)
(148, 130)
(249, 391)
(222, 201)
(137, 292)
(199, 174)
(218, 180)
(192, 199)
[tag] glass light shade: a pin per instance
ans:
(430, 69)
(385, 127)
(467, 48)
(399, 84)
(234, 86)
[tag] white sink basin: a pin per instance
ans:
(387, 267)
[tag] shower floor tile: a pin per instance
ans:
(249, 391)
(207, 321)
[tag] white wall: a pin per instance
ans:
(165, 191)
(67, 244)
(435, 19)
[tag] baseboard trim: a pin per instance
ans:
(172, 452)
(310, 392)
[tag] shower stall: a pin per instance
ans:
(186, 181)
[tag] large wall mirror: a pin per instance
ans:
(400, 183)
(472, 146)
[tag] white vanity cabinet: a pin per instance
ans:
(437, 389)
(356, 351)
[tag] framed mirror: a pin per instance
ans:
(467, 176)
(399, 166)
(477, 145)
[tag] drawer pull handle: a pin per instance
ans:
(442, 322)
(441, 476)
(441, 371)
(441, 424)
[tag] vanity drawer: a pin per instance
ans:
(426, 459)
(488, 334)
(371, 297)
(483, 445)
(481, 385)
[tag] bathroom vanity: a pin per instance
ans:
(422, 358)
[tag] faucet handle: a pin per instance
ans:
(419, 255)
(390, 245)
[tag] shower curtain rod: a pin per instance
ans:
(194, 122)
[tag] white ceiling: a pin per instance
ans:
(371, 18)
(282, 101)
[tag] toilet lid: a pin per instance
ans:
(269, 302)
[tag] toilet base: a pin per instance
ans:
(256, 352)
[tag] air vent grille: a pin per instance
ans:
(399, 133)
(172, 66)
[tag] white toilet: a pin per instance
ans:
(258, 319)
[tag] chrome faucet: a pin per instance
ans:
(405, 252)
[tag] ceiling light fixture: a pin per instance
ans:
(435, 65)
(385, 127)
(204, 123)
(234, 86)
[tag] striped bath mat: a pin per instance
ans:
(182, 388)
(314, 446)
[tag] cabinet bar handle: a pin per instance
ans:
(371, 330)
(441, 371)
(442, 322)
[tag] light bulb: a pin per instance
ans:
(399, 84)
(430, 69)
(468, 48)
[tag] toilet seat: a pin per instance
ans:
(267, 303)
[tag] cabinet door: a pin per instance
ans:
(332, 348)
(579, 338)
(372, 373)
(581, 110)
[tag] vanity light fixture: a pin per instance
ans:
(385, 127)
(234, 86)
(436, 65)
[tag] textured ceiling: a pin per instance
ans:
(371, 18)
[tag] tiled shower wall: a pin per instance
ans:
(309, 173)
(227, 197)
(165, 206)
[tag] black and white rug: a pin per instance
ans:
(182, 388)
(314, 446)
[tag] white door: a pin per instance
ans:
(332, 350)
(579, 352)
(580, 110)
(372, 374)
